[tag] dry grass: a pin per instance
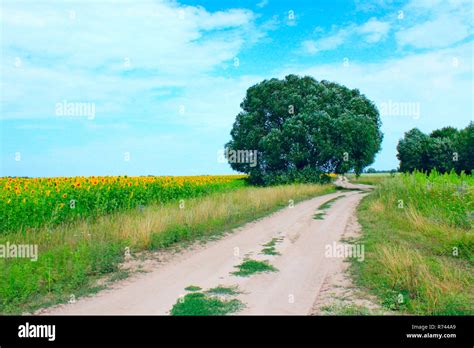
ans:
(137, 227)
(435, 281)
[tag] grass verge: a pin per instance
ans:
(350, 309)
(419, 242)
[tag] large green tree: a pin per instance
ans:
(301, 128)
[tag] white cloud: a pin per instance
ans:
(371, 32)
(425, 24)
(160, 35)
(374, 30)
(262, 3)
(79, 52)
(327, 43)
(436, 24)
(440, 32)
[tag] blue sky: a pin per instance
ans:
(163, 80)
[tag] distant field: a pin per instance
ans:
(418, 233)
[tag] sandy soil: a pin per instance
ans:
(303, 266)
(338, 291)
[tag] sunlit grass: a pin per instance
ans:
(419, 243)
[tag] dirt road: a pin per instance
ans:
(302, 265)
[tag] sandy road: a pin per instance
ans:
(302, 266)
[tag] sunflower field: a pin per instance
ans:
(28, 203)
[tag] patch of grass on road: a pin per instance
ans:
(249, 267)
(199, 304)
(270, 251)
(419, 241)
(326, 205)
(319, 216)
(223, 290)
(270, 247)
(329, 203)
(192, 288)
(344, 189)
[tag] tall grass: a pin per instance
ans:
(419, 238)
(441, 198)
(72, 256)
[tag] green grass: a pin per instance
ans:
(192, 288)
(223, 290)
(73, 257)
(249, 267)
(119, 275)
(344, 189)
(326, 205)
(347, 309)
(319, 216)
(419, 254)
(270, 251)
(270, 247)
(199, 304)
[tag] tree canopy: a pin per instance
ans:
(444, 149)
(301, 128)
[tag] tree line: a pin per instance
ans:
(444, 149)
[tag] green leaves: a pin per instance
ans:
(302, 128)
(444, 149)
